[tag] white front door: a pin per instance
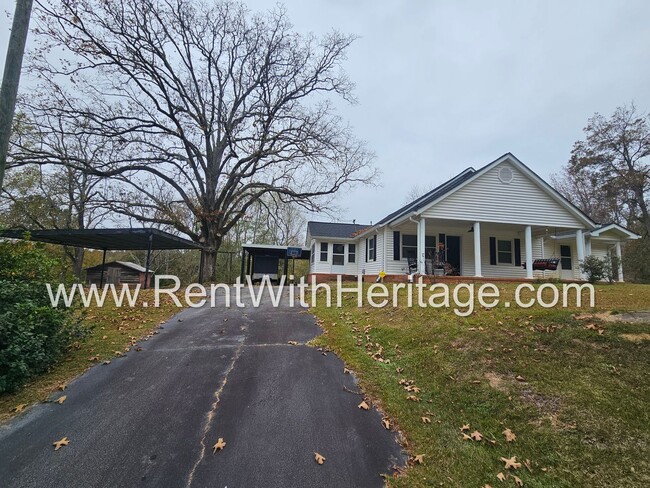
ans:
(338, 258)
(566, 263)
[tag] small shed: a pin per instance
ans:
(118, 272)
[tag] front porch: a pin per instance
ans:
(438, 247)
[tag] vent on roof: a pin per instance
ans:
(505, 174)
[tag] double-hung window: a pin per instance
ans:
(323, 252)
(352, 253)
(338, 254)
(504, 252)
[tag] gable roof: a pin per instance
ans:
(470, 174)
(613, 226)
(429, 197)
(334, 229)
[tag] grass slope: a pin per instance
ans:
(574, 392)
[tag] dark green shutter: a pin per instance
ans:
(396, 243)
(493, 250)
(518, 252)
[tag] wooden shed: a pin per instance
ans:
(118, 272)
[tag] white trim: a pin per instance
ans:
(620, 228)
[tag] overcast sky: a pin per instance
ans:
(447, 85)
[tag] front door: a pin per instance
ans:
(453, 253)
(566, 263)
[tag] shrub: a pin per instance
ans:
(596, 269)
(33, 334)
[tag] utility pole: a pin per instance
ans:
(11, 77)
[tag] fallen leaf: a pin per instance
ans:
(519, 378)
(319, 458)
(518, 481)
(510, 435)
(466, 437)
(426, 420)
(476, 435)
(61, 399)
(419, 459)
(218, 446)
(63, 386)
(511, 463)
(528, 465)
(464, 427)
(20, 408)
(363, 405)
(346, 371)
(386, 423)
(59, 444)
(501, 477)
(107, 362)
(413, 398)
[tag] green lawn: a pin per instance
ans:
(575, 392)
(114, 331)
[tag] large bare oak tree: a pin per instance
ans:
(207, 108)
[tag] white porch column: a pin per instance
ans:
(620, 261)
(528, 237)
(477, 249)
(421, 246)
(580, 248)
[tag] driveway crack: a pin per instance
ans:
(211, 414)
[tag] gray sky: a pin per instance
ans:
(447, 85)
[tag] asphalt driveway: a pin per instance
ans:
(151, 418)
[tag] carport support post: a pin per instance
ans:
(243, 262)
(146, 272)
(101, 274)
(286, 266)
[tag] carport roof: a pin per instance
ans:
(116, 239)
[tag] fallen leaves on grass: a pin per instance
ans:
(501, 477)
(20, 408)
(426, 420)
(59, 444)
(464, 427)
(319, 458)
(511, 463)
(418, 459)
(518, 481)
(510, 435)
(413, 398)
(218, 446)
(520, 378)
(477, 436)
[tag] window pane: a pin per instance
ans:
(430, 241)
(409, 252)
(337, 259)
(323, 246)
(352, 250)
(505, 257)
(505, 246)
(338, 248)
(409, 240)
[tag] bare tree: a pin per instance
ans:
(615, 158)
(602, 202)
(209, 108)
(11, 76)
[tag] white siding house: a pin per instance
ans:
(492, 222)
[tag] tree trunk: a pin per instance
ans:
(13, 65)
(208, 272)
(78, 262)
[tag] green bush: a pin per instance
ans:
(33, 334)
(596, 269)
